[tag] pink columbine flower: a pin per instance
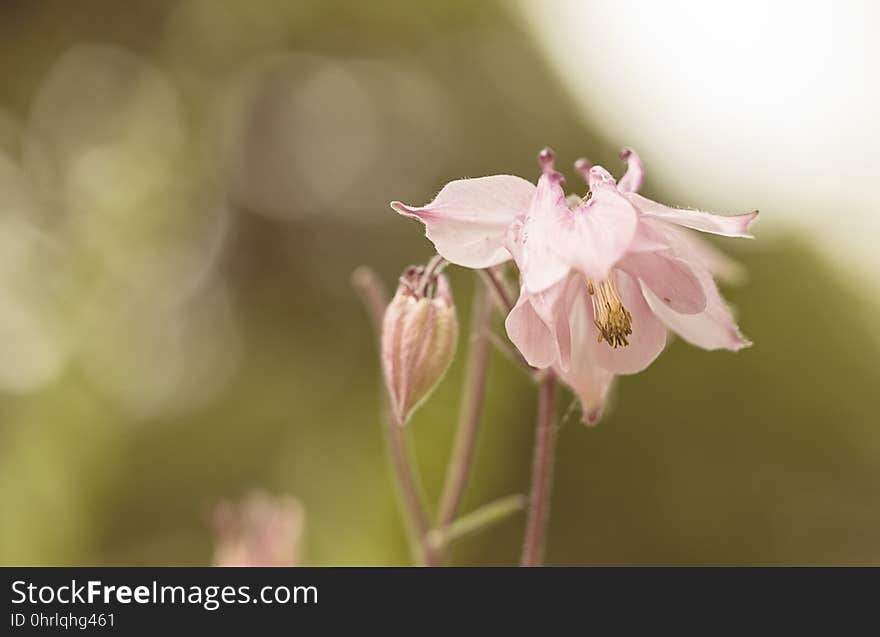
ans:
(602, 277)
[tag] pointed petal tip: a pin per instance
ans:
(592, 417)
(736, 226)
(422, 214)
(749, 219)
(753, 216)
(401, 208)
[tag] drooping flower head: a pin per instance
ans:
(602, 276)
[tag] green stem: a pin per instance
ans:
(542, 474)
(495, 281)
(409, 492)
(478, 520)
(473, 390)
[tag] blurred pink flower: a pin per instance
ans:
(601, 278)
(259, 530)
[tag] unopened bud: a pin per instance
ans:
(419, 335)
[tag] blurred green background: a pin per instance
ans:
(185, 188)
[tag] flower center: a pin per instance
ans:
(612, 319)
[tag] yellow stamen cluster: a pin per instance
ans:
(612, 319)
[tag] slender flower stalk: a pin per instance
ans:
(473, 390)
(508, 351)
(542, 474)
(478, 520)
(493, 279)
(410, 491)
(372, 294)
(375, 299)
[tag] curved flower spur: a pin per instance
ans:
(602, 277)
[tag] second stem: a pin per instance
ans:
(473, 390)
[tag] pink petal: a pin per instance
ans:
(595, 235)
(539, 327)
(513, 241)
(539, 263)
(530, 334)
(591, 385)
(716, 261)
(587, 380)
(688, 243)
(646, 341)
(669, 278)
(731, 226)
(635, 172)
(467, 221)
(650, 236)
(714, 328)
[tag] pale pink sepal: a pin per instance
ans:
(468, 219)
(538, 326)
(671, 279)
(714, 328)
(722, 266)
(728, 226)
(538, 258)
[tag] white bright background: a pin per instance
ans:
(738, 105)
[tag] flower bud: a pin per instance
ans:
(419, 335)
